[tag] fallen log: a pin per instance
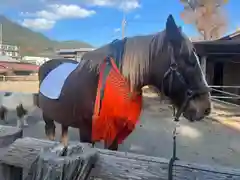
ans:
(119, 165)
(59, 162)
(8, 135)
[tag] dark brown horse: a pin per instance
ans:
(166, 60)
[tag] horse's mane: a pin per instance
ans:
(137, 57)
(138, 52)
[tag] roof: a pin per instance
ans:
(19, 66)
(74, 50)
(231, 36)
(218, 47)
(49, 54)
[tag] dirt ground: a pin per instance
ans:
(19, 86)
(207, 142)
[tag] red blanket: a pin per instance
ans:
(120, 109)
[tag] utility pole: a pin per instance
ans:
(123, 25)
(1, 39)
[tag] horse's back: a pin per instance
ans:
(97, 54)
(51, 86)
(115, 49)
(48, 66)
(75, 99)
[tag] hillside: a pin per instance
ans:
(31, 42)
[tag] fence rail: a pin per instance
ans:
(43, 159)
(221, 93)
(19, 78)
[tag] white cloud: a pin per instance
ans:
(34, 5)
(70, 11)
(50, 11)
(53, 13)
(129, 5)
(47, 15)
(38, 23)
(125, 5)
(117, 30)
(100, 2)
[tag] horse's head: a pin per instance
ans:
(182, 80)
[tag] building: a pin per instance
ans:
(4, 58)
(11, 68)
(73, 53)
(35, 59)
(220, 60)
(10, 50)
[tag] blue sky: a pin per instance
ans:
(98, 21)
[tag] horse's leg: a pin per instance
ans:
(49, 127)
(3, 113)
(113, 146)
(64, 137)
(85, 134)
(22, 115)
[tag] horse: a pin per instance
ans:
(23, 103)
(77, 95)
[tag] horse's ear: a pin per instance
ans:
(172, 29)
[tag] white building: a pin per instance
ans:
(35, 59)
(10, 50)
(73, 53)
(7, 59)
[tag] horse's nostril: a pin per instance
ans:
(207, 111)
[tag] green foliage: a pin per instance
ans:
(31, 42)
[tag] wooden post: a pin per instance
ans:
(8, 135)
(204, 65)
(51, 163)
(120, 165)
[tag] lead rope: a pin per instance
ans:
(176, 116)
(174, 152)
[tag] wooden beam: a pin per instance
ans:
(57, 162)
(8, 135)
(119, 165)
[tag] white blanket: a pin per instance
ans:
(51, 86)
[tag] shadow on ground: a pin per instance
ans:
(206, 142)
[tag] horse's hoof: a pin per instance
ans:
(64, 151)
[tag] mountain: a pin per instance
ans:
(31, 42)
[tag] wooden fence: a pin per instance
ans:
(35, 159)
(19, 78)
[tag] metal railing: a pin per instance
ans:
(220, 93)
(19, 78)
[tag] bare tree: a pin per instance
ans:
(208, 16)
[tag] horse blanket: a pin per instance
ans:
(117, 109)
(52, 84)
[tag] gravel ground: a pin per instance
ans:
(206, 142)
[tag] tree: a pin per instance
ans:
(208, 16)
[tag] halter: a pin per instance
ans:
(190, 93)
(173, 71)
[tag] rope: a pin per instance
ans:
(174, 152)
